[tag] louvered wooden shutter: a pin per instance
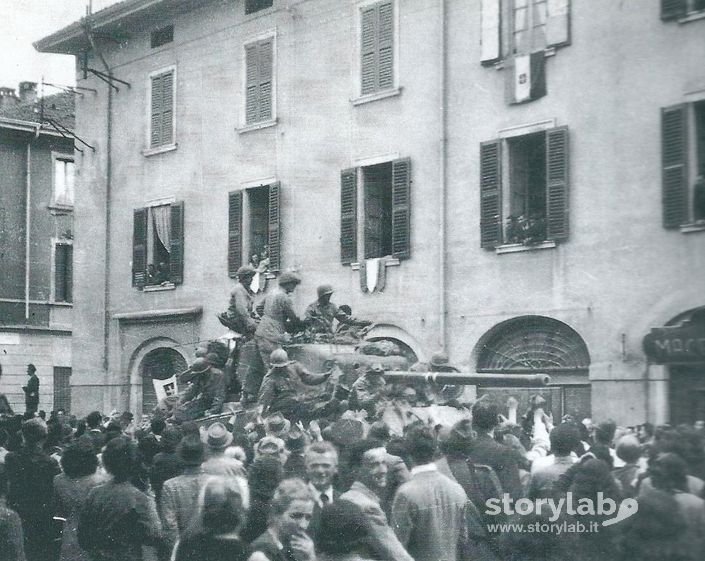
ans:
(274, 227)
(63, 272)
(491, 44)
(68, 273)
(167, 108)
(674, 158)
(672, 9)
(557, 23)
(266, 72)
(401, 208)
(490, 193)
(156, 111)
(385, 48)
(252, 83)
(368, 50)
(176, 255)
(557, 184)
(348, 216)
(234, 232)
(139, 247)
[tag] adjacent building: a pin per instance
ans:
(513, 181)
(36, 243)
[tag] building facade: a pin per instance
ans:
(36, 244)
(513, 181)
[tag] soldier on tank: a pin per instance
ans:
(205, 394)
(321, 314)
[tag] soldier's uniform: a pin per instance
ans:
(205, 395)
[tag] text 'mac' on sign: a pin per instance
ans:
(676, 345)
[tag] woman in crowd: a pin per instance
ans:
(79, 463)
(290, 512)
(117, 519)
(214, 534)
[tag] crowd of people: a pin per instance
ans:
(110, 488)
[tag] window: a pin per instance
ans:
(386, 211)
(158, 245)
(522, 27)
(62, 388)
(162, 109)
(161, 36)
(677, 9)
(261, 221)
(683, 163)
(259, 81)
(63, 272)
(252, 6)
(64, 170)
(534, 195)
(376, 47)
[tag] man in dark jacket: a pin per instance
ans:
(206, 394)
(31, 390)
(30, 475)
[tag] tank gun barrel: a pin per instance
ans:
(470, 378)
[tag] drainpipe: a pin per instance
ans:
(108, 188)
(442, 119)
(28, 220)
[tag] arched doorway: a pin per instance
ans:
(539, 345)
(160, 363)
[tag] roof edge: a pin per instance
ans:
(26, 126)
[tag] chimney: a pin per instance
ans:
(8, 98)
(28, 92)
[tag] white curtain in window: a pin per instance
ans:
(162, 224)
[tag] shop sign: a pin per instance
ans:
(676, 345)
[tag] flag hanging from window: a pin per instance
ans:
(528, 77)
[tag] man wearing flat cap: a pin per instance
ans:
(205, 394)
(239, 316)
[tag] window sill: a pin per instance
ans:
(58, 208)
(159, 149)
(390, 262)
(520, 247)
(375, 96)
(159, 287)
(698, 226)
(257, 126)
(693, 16)
(61, 304)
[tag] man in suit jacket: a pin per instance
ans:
(321, 464)
(368, 460)
(486, 450)
(31, 390)
(430, 512)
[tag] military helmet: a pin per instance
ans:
(289, 278)
(245, 271)
(324, 289)
(279, 358)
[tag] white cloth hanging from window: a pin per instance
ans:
(162, 224)
(372, 273)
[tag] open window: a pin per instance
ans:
(683, 164)
(252, 6)
(254, 228)
(532, 193)
(386, 211)
(158, 241)
(63, 179)
(678, 9)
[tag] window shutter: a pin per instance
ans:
(490, 46)
(251, 83)
(557, 23)
(167, 108)
(385, 52)
(490, 193)
(674, 157)
(672, 9)
(139, 247)
(234, 232)
(68, 273)
(401, 208)
(274, 227)
(60, 273)
(368, 50)
(156, 113)
(176, 255)
(266, 72)
(557, 184)
(348, 216)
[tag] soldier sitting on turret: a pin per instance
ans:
(205, 394)
(321, 314)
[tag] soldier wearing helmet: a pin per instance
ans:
(283, 386)
(321, 314)
(205, 394)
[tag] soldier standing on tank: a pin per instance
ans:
(239, 316)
